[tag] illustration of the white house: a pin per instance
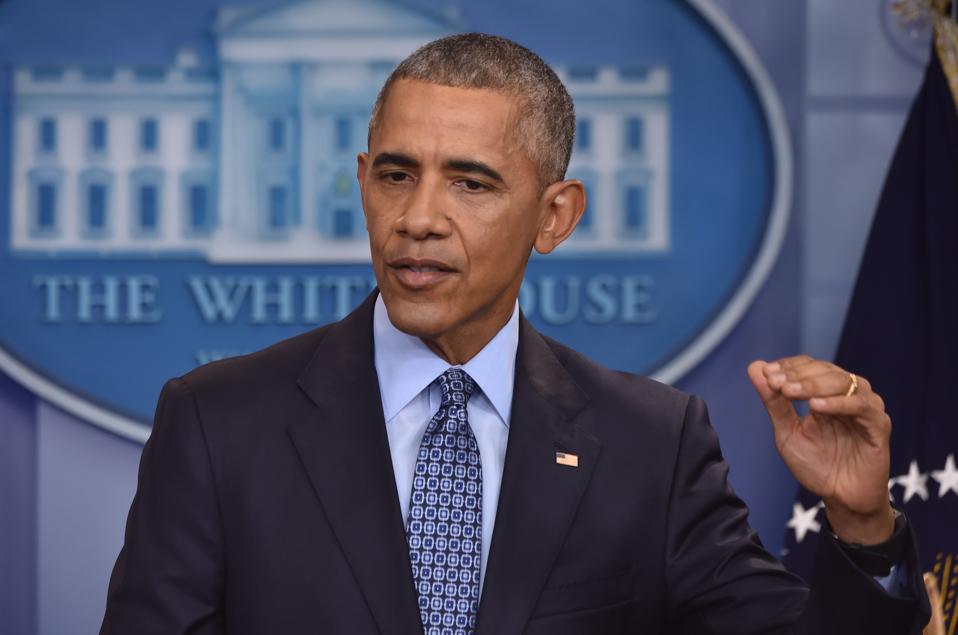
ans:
(252, 159)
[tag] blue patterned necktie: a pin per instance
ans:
(444, 529)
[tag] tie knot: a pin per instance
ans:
(456, 385)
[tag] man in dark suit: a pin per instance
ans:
(433, 464)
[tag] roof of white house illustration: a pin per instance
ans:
(336, 18)
(252, 160)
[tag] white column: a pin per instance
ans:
(70, 157)
(122, 139)
(20, 209)
(174, 158)
(307, 225)
(227, 224)
(607, 142)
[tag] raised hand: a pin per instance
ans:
(840, 450)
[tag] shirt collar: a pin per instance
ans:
(406, 366)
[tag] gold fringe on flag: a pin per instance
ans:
(943, 15)
(946, 570)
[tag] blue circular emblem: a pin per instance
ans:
(163, 215)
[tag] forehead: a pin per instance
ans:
(427, 117)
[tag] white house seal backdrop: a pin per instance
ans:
(160, 216)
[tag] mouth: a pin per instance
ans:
(419, 273)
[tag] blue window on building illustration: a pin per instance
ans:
(381, 67)
(46, 220)
(343, 223)
(583, 73)
(47, 73)
(98, 74)
(148, 135)
(277, 207)
(636, 209)
(148, 213)
(634, 73)
(149, 73)
(48, 135)
(634, 134)
(96, 207)
(585, 223)
(199, 207)
(343, 133)
(200, 74)
(97, 135)
(583, 134)
(277, 134)
(589, 178)
(201, 135)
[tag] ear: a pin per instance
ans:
(362, 164)
(563, 204)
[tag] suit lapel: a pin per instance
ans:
(538, 498)
(345, 451)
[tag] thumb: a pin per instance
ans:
(779, 407)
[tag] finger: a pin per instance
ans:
(800, 373)
(834, 382)
(858, 411)
(879, 402)
(811, 369)
(931, 585)
(779, 407)
(861, 406)
(937, 624)
(794, 361)
(804, 365)
(863, 384)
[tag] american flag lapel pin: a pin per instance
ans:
(565, 458)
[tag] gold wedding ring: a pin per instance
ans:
(853, 389)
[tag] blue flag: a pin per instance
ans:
(901, 333)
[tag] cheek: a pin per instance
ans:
(497, 248)
(375, 228)
(378, 217)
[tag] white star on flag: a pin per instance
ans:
(915, 482)
(947, 478)
(803, 521)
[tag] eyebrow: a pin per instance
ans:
(468, 166)
(395, 158)
(474, 167)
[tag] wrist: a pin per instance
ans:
(879, 560)
(862, 529)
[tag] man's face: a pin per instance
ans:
(452, 204)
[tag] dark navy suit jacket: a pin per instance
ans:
(267, 504)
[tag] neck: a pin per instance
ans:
(458, 348)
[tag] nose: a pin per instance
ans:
(425, 214)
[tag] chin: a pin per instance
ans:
(422, 319)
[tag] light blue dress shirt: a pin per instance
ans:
(407, 369)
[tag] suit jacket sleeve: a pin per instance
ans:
(721, 580)
(169, 576)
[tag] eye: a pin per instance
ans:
(395, 177)
(472, 186)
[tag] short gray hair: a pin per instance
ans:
(546, 119)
